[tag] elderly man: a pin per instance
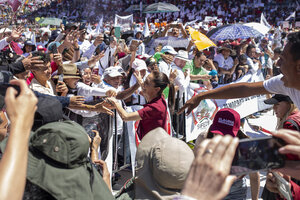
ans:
(182, 80)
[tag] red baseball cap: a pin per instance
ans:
(226, 122)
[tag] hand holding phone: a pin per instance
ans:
(257, 154)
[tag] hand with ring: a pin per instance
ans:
(208, 177)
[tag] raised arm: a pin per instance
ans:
(13, 165)
(231, 91)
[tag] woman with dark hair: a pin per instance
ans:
(154, 114)
(28, 48)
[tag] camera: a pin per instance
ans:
(108, 39)
(8, 57)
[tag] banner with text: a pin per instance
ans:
(124, 22)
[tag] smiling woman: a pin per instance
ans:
(154, 113)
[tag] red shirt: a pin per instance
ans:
(154, 114)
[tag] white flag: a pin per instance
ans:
(89, 29)
(293, 15)
(146, 31)
(33, 38)
(264, 21)
(100, 24)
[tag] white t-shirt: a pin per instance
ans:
(224, 63)
(275, 85)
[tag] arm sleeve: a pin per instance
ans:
(89, 52)
(275, 85)
(65, 101)
(3, 43)
(82, 65)
(182, 81)
(86, 90)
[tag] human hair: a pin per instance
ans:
(240, 134)
(280, 122)
(277, 50)
(160, 80)
(198, 54)
(249, 47)
(294, 41)
(43, 56)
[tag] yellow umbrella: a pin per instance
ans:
(201, 40)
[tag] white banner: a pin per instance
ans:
(200, 119)
(124, 22)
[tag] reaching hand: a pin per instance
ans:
(101, 108)
(292, 139)
(173, 75)
(208, 177)
(96, 78)
(190, 105)
(95, 59)
(98, 40)
(139, 78)
(62, 87)
(111, 93)
(76, 100)
(34, 63)
(15, 34)
(20, 108)
(58, 59)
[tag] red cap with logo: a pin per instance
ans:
(226, 122)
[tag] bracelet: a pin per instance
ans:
(183, 197)
(76, 49)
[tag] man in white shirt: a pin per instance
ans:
(182, 80)
(165, 65)
(82, 42)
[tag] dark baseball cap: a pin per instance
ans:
(278, 98)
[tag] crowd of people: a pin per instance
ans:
(226, 11)
(66, 92)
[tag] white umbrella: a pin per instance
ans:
(259, 27)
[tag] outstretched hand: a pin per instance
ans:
(208, 177)
(100, 107)
(190, 105)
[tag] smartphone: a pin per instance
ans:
(118, 32)
(53, 49)
(64, 20)
(95, 71)
(257, 154)
(60, 78)
(4, 86)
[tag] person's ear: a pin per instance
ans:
(157, 89)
